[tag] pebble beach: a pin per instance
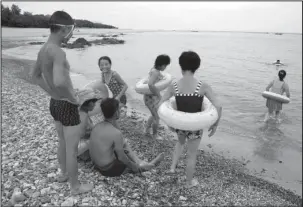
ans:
(29, 162)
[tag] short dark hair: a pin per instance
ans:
(162, 60)
(87, 102)
(104, 58)
(109, 106)
(59, 17)
(282, 74)
(189, 61)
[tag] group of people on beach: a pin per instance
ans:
(108, 149)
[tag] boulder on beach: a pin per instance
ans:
(78, 43)
(107, 41)
(36, 43)
(81, 42)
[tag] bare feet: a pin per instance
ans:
(194, 182)
(171, 171)
(83, 188)
(157, 137)
(147, 130)
(62, 178)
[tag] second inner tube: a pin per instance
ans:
(188, 121)
(142, 86)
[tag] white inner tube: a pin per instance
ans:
(188, 121)
(276, 97)
(96, 84)
(142, 86)
(83, 146)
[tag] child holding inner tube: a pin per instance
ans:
(189, 93)
(151, 100)
(277, 86)
(113, 80)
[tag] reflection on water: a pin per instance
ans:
(271, 140)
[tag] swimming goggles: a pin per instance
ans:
(63, 25)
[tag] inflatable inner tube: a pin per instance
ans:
(83, 146)
(142, 86)
(188, 121)
(276, 97)
(96, 85)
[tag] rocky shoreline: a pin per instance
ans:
(29, 163)
(82, 42)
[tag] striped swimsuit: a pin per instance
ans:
(115, 87)
(190, 103)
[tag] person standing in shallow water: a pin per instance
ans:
(189, 93)
(113, 80)
(151, 100)
(276, 86)
(51, 73)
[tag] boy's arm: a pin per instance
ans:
(286, 89)
(119, 149)
(35, 75)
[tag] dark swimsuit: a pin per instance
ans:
(190, 103)
(115, 87)
(113, 169)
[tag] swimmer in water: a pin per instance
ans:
(277, 86)
(278, 64)
(189, 93)
(151, 100)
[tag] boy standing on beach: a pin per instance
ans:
(51, 73)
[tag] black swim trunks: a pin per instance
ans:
(64, 112)
(114, 169)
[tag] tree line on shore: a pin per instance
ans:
(13, 17)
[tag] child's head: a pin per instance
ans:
(282, 74)
(89, 105)
(161, 62)
(189, 61)
(105, 63)
(110, 108)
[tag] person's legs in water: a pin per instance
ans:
(278, 118)
(177, 151)
(192, 150)
(269, 114)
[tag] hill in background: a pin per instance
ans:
(12, 17)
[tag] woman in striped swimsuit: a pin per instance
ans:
(189, 93)
(113, 80)
(151, 100)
